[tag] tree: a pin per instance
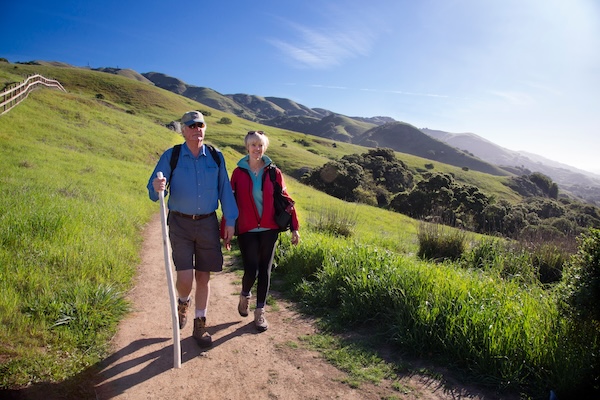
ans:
(337, 178)
(580, 287)
(372, 177)
(545, 184)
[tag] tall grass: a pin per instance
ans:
(335, 221)
(70, 218)
(528, 263)
(492, 329)
(437, 242)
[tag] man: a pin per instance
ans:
(196, 185)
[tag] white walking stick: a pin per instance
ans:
(163, 220)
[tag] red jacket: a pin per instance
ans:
(248, 219)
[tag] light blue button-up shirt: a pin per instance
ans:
(197, 184)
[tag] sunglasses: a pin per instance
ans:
(257, 132)
(197, 125)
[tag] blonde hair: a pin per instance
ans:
(256, 136)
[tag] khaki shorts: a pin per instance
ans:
(195, 244)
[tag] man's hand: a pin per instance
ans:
(228, 235)
(159, 184)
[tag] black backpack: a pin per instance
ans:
(282, 216)
(175, 158)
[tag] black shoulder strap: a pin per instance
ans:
(214, 154)
(272, 173)
(173, 160)
(271, 169)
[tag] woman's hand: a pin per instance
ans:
(228, 235)
(295, 237)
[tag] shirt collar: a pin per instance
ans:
(243, 163)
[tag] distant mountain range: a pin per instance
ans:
(583, 184)
(465, 150)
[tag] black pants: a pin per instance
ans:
(258, 250)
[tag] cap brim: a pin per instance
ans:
(188, 123)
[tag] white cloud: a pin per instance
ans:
(324, 48)
(328, 86)
(515, 98)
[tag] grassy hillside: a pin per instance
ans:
(75, 166)
(286, 114)
(291, 150)
(405, 137)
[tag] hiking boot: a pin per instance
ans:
(259, 320)
(200, 334)
(243, 308)
(182, 307)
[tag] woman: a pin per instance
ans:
(257, 229)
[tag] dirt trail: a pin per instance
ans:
(242, 364)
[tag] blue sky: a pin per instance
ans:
(524, 74)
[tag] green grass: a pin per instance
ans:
(74, 206)
(70, 223)
(74, 171)
(492, 330)
(360, 363)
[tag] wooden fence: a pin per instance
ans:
(17, 92)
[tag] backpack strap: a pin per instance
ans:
(273, 173)
(214, 153)
(173, 162)
(272, 170)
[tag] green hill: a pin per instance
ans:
(368, 132)
(75, 167)
(74, 172)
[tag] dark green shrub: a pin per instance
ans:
(548, 260)
(579, 300)
(225, 121)
(580, 286)
(303, 142)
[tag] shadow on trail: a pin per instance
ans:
(157, 362)
(120, 371)
(119, 363)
